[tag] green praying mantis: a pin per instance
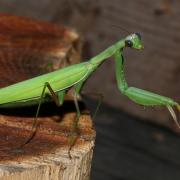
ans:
(54, 85)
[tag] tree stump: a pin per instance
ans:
(30, 48)
(46, 155)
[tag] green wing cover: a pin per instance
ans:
(32, 88)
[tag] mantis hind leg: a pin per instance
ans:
(58, 99)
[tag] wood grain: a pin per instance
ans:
(30, 47)
(46, 155)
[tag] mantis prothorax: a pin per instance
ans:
(55, 84)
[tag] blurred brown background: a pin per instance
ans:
(125, 147)
(100, 23)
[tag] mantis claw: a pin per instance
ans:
(173, 114)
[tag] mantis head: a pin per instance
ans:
(134, 41)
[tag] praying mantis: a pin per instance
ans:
(54, 85)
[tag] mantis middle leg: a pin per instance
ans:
(100, 99)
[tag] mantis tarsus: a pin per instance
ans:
(55, 84)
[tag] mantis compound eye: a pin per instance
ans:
(128, 43)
